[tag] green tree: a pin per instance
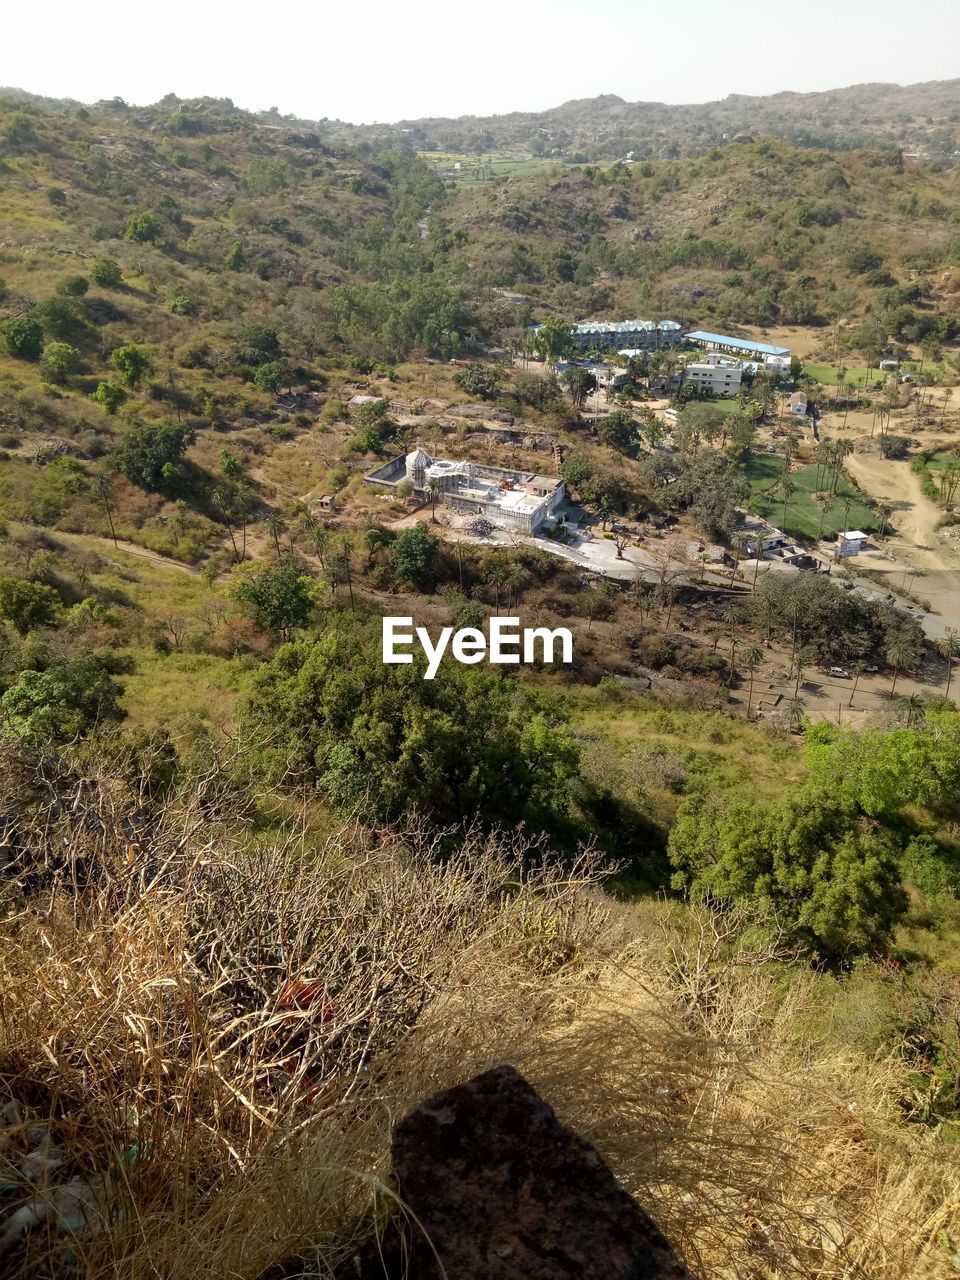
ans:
(279, 595)
(259, 344)
(106, 273)
(22, 338)
(59, 361)
(143, 227)
(28, 604)
(275, 525)
(900, 653)
(579, 382)
(753, 656)
(147, 453)
(66, 701)
(270, 377)
(130, 363)
(412, 555)
(554, 340)
(619, 430)
(575, 471)
(110, 395)
(61, 317)
(478, 380)
(380, 740)
(235, 259)
(831, 879)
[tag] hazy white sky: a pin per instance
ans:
(388, 60)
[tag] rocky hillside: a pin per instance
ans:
(920, 118)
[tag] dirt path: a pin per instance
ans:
(914, 516)
(129, 548)
(919, 545)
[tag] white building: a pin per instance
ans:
(850, 543)
(635, 335)
(715, 377)
(509, 499)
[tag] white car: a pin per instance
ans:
(839, 673)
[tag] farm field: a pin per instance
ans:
(803, 517)
(475, 169)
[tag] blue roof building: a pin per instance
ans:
(740, 346)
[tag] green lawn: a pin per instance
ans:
(938, 460)
(475, 169)
(826, 375)
(803, 516)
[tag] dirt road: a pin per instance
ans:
(918, 545)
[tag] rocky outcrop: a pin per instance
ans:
(496, 1188)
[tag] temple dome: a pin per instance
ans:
(417, 463)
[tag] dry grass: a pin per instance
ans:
(246, 1017)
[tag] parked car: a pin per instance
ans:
(871, 670)
(839, 673)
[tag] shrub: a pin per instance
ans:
(182, 304)
(73, 286)
(63, 702)
(22, 338)
(130, 362)
(27, 604)
(59, 361)
(143, 227)
(110, 395)
(106, 273)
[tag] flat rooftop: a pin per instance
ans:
(738, 344)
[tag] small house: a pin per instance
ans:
(799, 404)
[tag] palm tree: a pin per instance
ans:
(752, 657)
(825, 504)
(841, 449)
(900, 653)
(734, 641)
(884, 512)
(796, 710)
(804, 658)
(759, 555)
(309, 527)
(222, 498)
(914, 709)
(434, 487)
(847, 504)
(822, 456)
(275, 525)
(101, 487)
(948, 647)
(858, 670)
(785, 489)
(496, 576)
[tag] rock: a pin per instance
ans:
(497, 1189)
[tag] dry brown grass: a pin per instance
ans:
(250, 1013)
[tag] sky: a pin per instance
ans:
(381, 60)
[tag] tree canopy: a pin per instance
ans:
(382, 740)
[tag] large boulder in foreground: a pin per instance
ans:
(496, 1188)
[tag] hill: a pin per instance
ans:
(919, 118)
(262, 892)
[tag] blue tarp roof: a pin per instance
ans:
(740, 344)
